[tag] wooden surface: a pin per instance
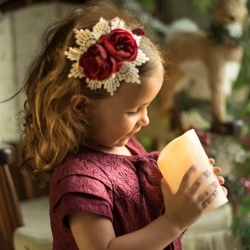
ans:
(14, 187)
(10, 212)
(4, 245)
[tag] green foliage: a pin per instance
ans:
(244, 76)
(205, 6)
(245, 207)
(248, 106)
(147, 142)
(241, 229)
(148, 4)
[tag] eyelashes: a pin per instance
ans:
(137, 111)
(132, 113)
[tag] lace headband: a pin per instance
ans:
(107, 55)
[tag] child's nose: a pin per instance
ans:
(144, 119)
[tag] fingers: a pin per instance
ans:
(209, 200)
(185, 183)
(205, 198)
(199, 181)
(216, 170)
(221, 180)
(224, 190)
(212, 161)
(208, 192)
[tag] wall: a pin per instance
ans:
(20, 32)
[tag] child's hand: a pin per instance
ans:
(217, 170)
(185, 206)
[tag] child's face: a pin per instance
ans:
(119, 117)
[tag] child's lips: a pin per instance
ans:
(133, 133)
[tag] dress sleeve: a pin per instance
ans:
(81, 191)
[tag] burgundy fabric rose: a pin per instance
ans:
(107, 55)
(97, 64)
(120, 44)
(138, 32)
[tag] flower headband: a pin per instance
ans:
(107, 55)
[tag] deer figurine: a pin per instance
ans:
(205, 64)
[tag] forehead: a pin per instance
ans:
(145, 92)
(132, 95)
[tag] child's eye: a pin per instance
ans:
(132, 113)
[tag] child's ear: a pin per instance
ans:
(78, 102)
(82, 103)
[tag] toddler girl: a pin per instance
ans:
(87, 95)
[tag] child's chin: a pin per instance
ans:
(122, 142)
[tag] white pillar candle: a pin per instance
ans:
(179, 155)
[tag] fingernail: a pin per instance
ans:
(207, 172)
(194, 167)
(215, 183)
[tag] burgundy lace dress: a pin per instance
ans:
(125, 189)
